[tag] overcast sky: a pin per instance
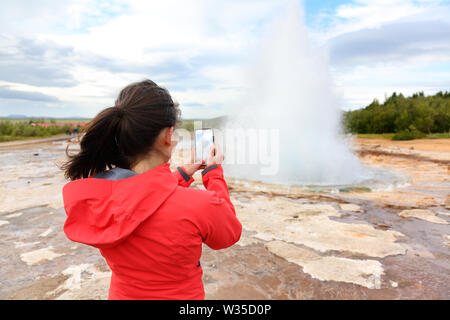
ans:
(72, 57)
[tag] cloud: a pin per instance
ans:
(377, 47)
(30, 17)
(7, 93)
(361, 14)
(37, 63)
(91, 49)
(84, 51)
(194, 104)
(395, 42)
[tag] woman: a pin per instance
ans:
(124, 200)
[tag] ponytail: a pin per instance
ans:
(99, 150)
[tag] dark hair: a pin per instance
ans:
(119, 135)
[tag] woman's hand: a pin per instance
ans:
(215, 155)
(192, 167)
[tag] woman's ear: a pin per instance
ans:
(168, 136)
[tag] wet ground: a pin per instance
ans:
(392, 243)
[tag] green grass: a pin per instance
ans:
(63, 120)
(391, 135)
(409, 135)
(16, 129)
(6, 138)
(376, 135)
(439, 136)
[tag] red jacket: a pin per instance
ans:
(150, 228)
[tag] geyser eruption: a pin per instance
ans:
(290, 108)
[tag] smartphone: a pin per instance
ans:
(204, 139)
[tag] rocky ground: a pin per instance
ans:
(392, 243)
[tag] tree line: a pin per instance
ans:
(417, 115)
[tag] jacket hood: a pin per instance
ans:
(104, 212)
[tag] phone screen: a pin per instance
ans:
(204, 138)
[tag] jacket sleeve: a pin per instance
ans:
(220, 227)
(183, 178)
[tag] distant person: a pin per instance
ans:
(124, 199)
(68, 132)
